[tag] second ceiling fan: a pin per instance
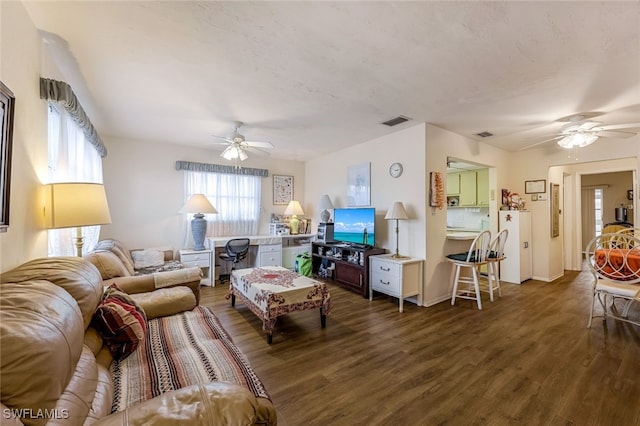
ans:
(238, 146)
(580, 132)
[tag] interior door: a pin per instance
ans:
(588, 216)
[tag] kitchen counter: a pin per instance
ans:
(461, 235)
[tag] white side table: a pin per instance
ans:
(201, 258)
(397, 277)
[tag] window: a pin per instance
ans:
(236, 197)
(598, 201)
(71, 158)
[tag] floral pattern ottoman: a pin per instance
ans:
(273, 291)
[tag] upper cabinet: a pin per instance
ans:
(482, 193)
(453, 183)
(471, 187)
(468, 188)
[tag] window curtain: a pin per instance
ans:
(72, 158)
(236, 197)
(62, 94)
(588, 216)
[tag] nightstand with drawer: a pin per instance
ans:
(397, 277)
(201, 258)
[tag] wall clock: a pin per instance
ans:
(395, 170)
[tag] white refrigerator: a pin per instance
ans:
(517, 267)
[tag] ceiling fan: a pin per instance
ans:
(580, 132)
(237, 146)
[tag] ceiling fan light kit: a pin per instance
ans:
(577, 140)
(238, 146)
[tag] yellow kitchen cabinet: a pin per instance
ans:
(482, 185)
(468, 188)
(453, 183)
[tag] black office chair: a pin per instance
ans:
(235, 251)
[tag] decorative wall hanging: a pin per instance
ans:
(282, 189)
(359, 185)
(555, 210)
(535, 186)
(436, 190)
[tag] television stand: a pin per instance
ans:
(347, 264)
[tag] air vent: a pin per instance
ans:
(397, 120)
(484, 134)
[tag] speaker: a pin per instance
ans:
(325, 232)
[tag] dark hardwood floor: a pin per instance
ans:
(528, 358)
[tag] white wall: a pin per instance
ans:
(548, 258)
(19, 70)
(145, 191)
(441, 144)
(328, 175)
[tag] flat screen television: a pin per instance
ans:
(355, 225)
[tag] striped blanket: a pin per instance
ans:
(181, 350)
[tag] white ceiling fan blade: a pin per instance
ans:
(619, 126)
(257, 150)
(223, 138)
(587, 125)
(555, 138)
(259, 144)
(615, 135)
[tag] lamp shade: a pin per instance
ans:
(75, 204)
(198, 203)
(396, 211)
(294, 208)
(325, 202)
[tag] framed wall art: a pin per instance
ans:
(359, 185)
(7, 101)
(555, 209)
(535, 186)
(282, 189)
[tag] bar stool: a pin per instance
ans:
(496, 254)
(472, 259)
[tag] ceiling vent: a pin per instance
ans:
(397, 120)
(484, 134)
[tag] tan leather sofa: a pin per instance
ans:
(116, 265)
(55, 369)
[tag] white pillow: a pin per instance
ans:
(147, 258)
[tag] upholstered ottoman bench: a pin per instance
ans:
(273, 291)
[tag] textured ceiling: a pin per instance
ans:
(315, 77)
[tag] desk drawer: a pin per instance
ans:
(200, 263)
(269, 248)
(271, 259)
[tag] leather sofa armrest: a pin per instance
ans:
(189, 277)
(214, 403)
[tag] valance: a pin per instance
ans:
(61, 92)
(219, 168)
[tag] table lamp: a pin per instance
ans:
(74, 205)
(325, 204)
(397, 212)
(198, 204)
(294, 209)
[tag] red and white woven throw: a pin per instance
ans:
(178, 351)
